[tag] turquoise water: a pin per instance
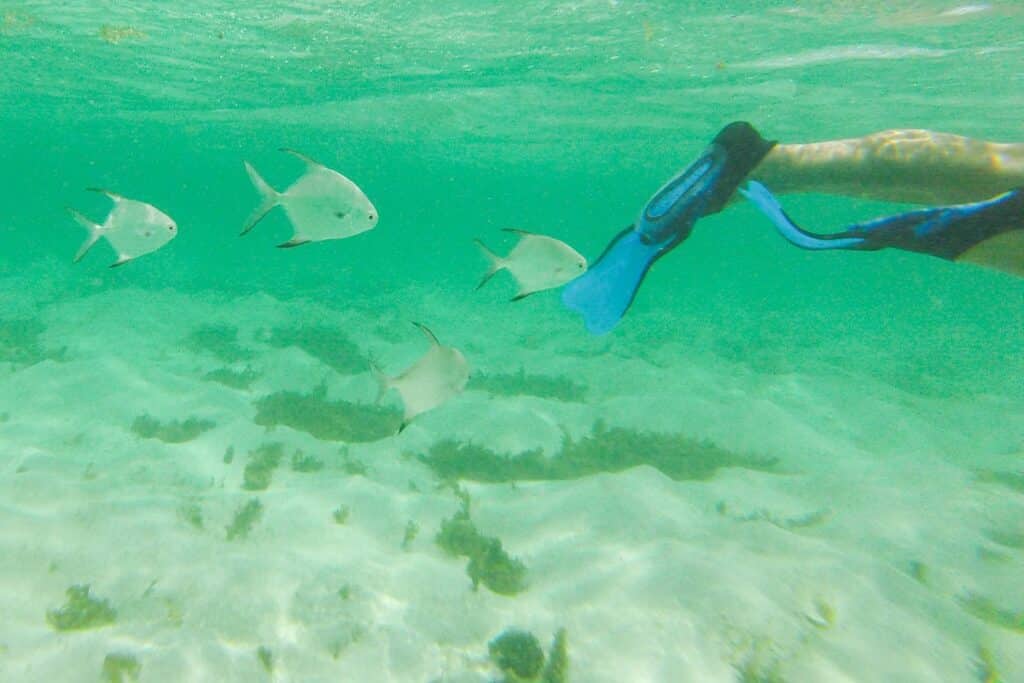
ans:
(887, 385)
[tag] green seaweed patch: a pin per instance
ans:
(757, 660)
(453, 460)
(246, 517)
(81, 611)
(559, 388)
(119, 667)
(489, 564)
(1006, 538)
(259, 471)
(220, 341)
(192, 514)
(20, 344)
(557, 669)
(306, 463)
(330, 345)
(752, 671)
(993, 556)
(919, 572)
(234, 379)
(412, 530)
(496, 569)
(517, 654)
(174, 431)
(340, 514)
(988, 611)
(605, 450)
(351, 466)
(1011, 480)
(327, 420)
(985, 667)
(266, 658)
(805, 521)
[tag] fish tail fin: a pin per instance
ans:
(495, 261)
(269, 198)
(95, 232)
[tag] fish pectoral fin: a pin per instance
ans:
(518, 231)
(121, 260)
(521, 295)
(294, 242)
(300, 155)
(113, 195)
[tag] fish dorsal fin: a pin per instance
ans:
(429, 335)
(303, 157)
(113, 195)
(517, 231)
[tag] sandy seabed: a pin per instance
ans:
(869, 555)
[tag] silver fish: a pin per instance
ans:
(537, 262)
(321, 205)
(132, 228)
(440, 374)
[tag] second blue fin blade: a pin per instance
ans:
(604, 293)
(763, 199)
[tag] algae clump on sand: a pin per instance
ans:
(266, 658)
(174, 431)
(987, 610)
(235, 379)
(246, 517)
(489, 564)
(20, 345)
(306, 463)
(120, 668)
(557, 670)
(329, 345)
(559, 388)
(520, 658)
(259, 471)
(518, 653)
(327, 420)
(605, 450)
(219, 340)
(81, 611)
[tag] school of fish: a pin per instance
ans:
(322, 204)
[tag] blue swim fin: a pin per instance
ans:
(607, 289)
(764, 200)
(988, 233)
(604, 293)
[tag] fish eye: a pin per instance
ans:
(171, 228)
